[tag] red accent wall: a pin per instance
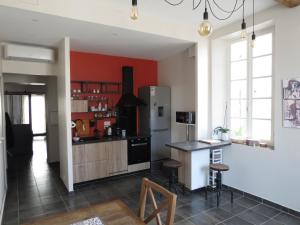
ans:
(98, 67)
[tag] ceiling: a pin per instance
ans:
(88, 37)
(42, 29)
(184, 13)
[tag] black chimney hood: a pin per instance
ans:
(128, 99)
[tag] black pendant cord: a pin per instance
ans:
(227, 11)
(225, 18)
(253, 34)
(195, 6)
(174, 4)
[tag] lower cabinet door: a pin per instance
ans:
(96, 170)
(80, 173)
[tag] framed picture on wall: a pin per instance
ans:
(291, 103)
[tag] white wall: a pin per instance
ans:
(273, 175)
(179, 73)
(28, 68)
(64, 114)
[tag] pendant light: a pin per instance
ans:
(244, 26)
(134, 10)
(205, 28)
(253, 37)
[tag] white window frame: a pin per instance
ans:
(250, 81)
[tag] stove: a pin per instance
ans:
(139, 149)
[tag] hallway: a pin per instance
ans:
(34, 186)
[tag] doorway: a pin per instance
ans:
(27, 114)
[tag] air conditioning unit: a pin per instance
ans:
(28, 53)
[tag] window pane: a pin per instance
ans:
(262, 66)
(262, 87)
(239, 50)
(238, 128)
(238, 108)
(263, 45)
(262, 109)
(239, 89)
(239, 70)
(261, 129)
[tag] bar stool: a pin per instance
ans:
(219, 188)
(173, 166)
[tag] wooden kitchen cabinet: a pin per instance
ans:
(96, 170)
(79, 173)
(79, 106)
(98, 160)
(117, 157)
(96, 152)
(79, 155)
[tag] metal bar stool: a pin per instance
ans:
(173, 166)
(219, 187)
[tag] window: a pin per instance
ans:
(251, 81)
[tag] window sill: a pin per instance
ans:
(259, 146)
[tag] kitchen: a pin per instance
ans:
(111, 132)
(122, 122)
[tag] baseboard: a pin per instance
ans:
(266, 202)
(2, 208)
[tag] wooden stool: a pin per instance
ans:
(219, 187)
(173, 166)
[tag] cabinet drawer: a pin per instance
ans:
(79, 155)
(96, 152)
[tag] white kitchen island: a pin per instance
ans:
(195, 159)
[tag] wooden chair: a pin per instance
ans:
(169, 203)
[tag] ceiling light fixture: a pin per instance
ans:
(205, 28)
(244, 26)
(253, 37)
(134, 10)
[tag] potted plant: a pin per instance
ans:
(224, 132)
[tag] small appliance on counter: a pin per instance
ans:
(188, 119)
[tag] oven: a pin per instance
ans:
(139, 150)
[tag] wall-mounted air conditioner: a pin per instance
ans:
(28, 53)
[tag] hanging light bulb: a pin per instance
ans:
(244, 26)
(205, 28)
(134, 10)
(244, 31)
(253, 40)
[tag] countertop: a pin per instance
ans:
(92, 140)
(98, 140)
(190, 146)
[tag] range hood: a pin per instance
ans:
(128, 99)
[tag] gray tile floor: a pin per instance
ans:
(35, 190)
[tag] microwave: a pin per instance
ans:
(185, 117)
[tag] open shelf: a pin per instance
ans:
(101, 87)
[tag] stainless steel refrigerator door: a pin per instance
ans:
(159, 139)
(160, 108)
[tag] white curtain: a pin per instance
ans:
(17, 107)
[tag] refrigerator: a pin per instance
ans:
(155, 119)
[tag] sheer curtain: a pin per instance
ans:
(17, 107)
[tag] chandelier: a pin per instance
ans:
(205, 28)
